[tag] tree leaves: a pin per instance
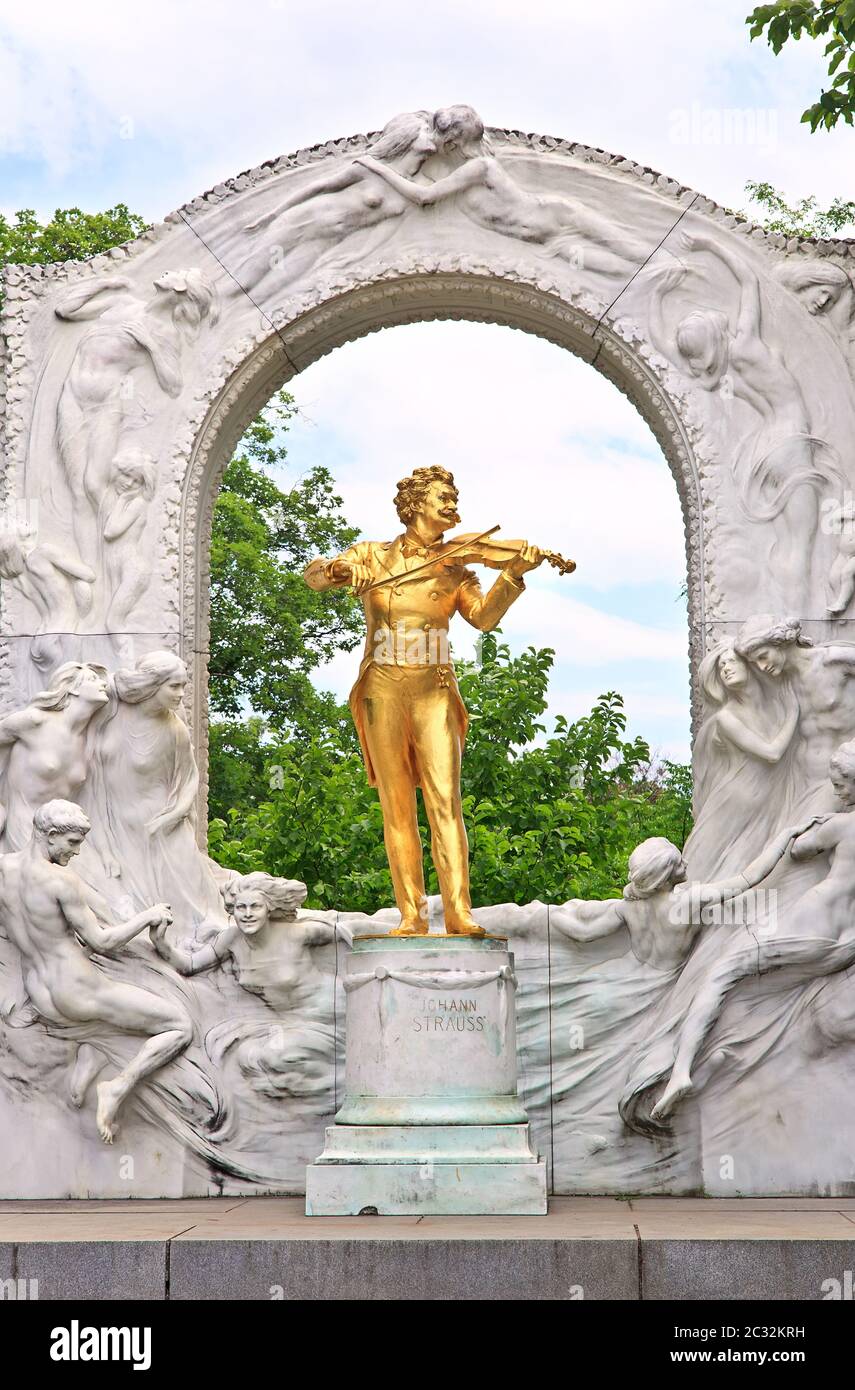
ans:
(791, 19)
(269, 631)
(71, 235)
(802, 218)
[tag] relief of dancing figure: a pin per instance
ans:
(744, 755)
(130, 333)
(782, 469)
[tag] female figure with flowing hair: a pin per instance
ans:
(782, 469)
(332, 207)
(743, 753)
(130, 333)
(827, 292)
(43, 748)
(144, 786)
(490, 197)
(822, 677)
(269, 944)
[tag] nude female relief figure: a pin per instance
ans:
(268, 944)
(323, 213)
(43, 747)
(130, 333)
(489, 195)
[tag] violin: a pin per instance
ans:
(477, 548)
(485, 548)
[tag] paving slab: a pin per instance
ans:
(400, 1270)
(778, 1270)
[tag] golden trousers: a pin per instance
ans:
(411, 727)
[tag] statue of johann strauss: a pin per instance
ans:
(406, 703)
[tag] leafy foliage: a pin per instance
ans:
(802, 218)
(833, 20)
(71, 235)
(268, 629)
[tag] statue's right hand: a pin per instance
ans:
(359, 577)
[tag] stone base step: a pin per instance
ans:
(426, 1189)
(426, 1144)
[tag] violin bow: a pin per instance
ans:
(419, 569)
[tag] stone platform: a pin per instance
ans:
(431, 1123)
(585, 1248)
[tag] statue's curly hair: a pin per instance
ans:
(413, 489)
(58, 817)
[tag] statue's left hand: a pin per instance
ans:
(528, 559)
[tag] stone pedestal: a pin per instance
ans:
(431, 1122)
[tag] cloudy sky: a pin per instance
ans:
(151, 104)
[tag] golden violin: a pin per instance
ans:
(477, 548)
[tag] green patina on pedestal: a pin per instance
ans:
(431, 1119)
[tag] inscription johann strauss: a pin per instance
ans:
(448, 1016)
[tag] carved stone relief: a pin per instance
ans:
(206, 1037)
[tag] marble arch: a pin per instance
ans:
(127, 380)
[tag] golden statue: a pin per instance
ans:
(406, 703)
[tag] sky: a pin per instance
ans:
(152, 104)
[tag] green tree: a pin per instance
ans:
(269, 631)
(71, 235)
(832, 20)
(802, 218)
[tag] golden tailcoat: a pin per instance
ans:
(407, 625)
